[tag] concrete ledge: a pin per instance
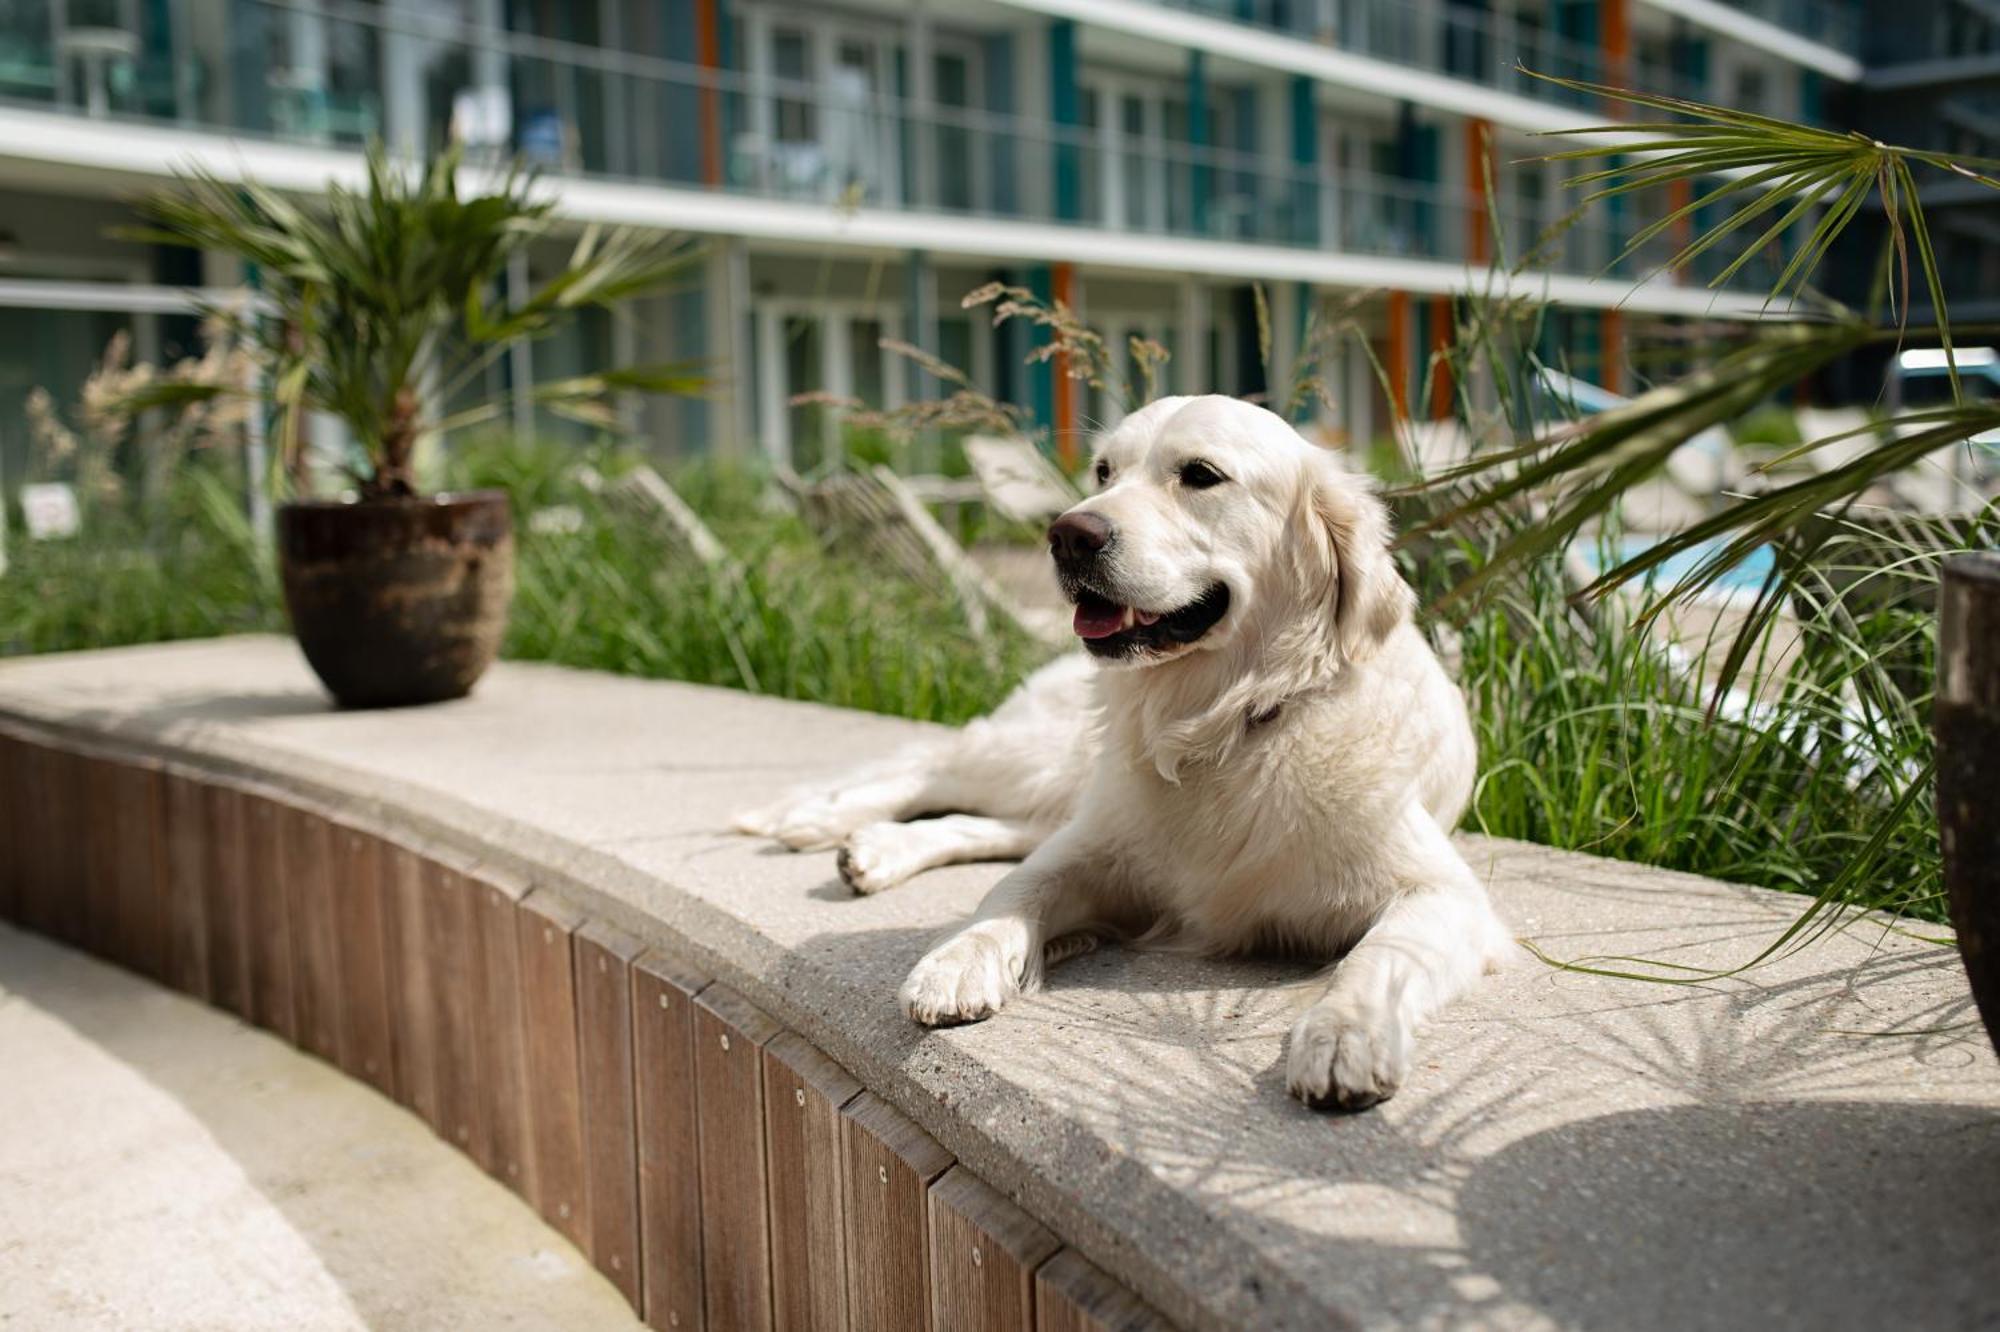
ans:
(1812, 1144)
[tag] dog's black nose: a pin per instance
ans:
(1078, 536)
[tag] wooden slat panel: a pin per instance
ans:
(31, 908)
(803, 1095)
(889, 1164)
(266, 913)
(15, 825)
(610, 1138)
(142, 885)
(189, 863)
(451, 936)
(36, 906)
(228, 883)
(41, 888)
(504, 1066)
(73, 819)
(1073, 1295)
(90, 910)
(548, 980)
(25, 853)
(984, 1252)
(306, 855)
(65, 819)
(361, 907)
(121, 918)
(412, 1001)
(729, 1100)
(669, 1140)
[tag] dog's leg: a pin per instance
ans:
(817, 818)
(882, 855)
(1352, 1048)
(1000, 954)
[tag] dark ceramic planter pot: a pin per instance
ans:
(1968, 756)
(398, 601)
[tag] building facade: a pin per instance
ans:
(1932, 81)
(860, 165)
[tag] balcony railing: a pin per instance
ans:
(342, 76)
(1460, 41)
(1829, 22)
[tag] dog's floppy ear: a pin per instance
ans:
(1347, 533)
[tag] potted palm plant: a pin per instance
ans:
(379, 309)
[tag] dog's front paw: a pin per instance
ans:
(881, 857)
(968, 977)
(813, 823)
(874, 858)
(1339, 1058)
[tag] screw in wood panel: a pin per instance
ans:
(800, 1093)
(548, 936)
(562, 1210)
(978, 1259)
(617, 1263)
(673, 1319)
(664, 1003)
(725, 1040)
(882, 1173)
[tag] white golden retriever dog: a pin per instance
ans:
(1258, 752)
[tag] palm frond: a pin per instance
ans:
(1754, 165)
(1771, 179)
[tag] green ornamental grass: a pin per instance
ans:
(1813, 774)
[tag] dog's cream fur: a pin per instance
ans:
(1287, 782)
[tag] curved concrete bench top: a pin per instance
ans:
(1814, 1143)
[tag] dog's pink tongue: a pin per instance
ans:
(1098, 619)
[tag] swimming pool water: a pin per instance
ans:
(1744, 577)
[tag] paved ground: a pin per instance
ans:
(1814, 1143)
(164, 1166)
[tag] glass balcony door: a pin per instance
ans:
(28, 69)
(812, 358)
(103, 57)
(1125, 177)
(823, 124)
(958, 134)
(406, 76)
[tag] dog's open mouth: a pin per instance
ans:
(1111, 630)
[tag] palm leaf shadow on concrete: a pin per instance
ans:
(1571, 1150)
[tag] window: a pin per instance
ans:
(1098, 187)
(1135, 150)
(791, 64)
(1750, 90)
(951, 85)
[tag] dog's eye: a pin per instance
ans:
(1103, 471)
(1199, 475)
